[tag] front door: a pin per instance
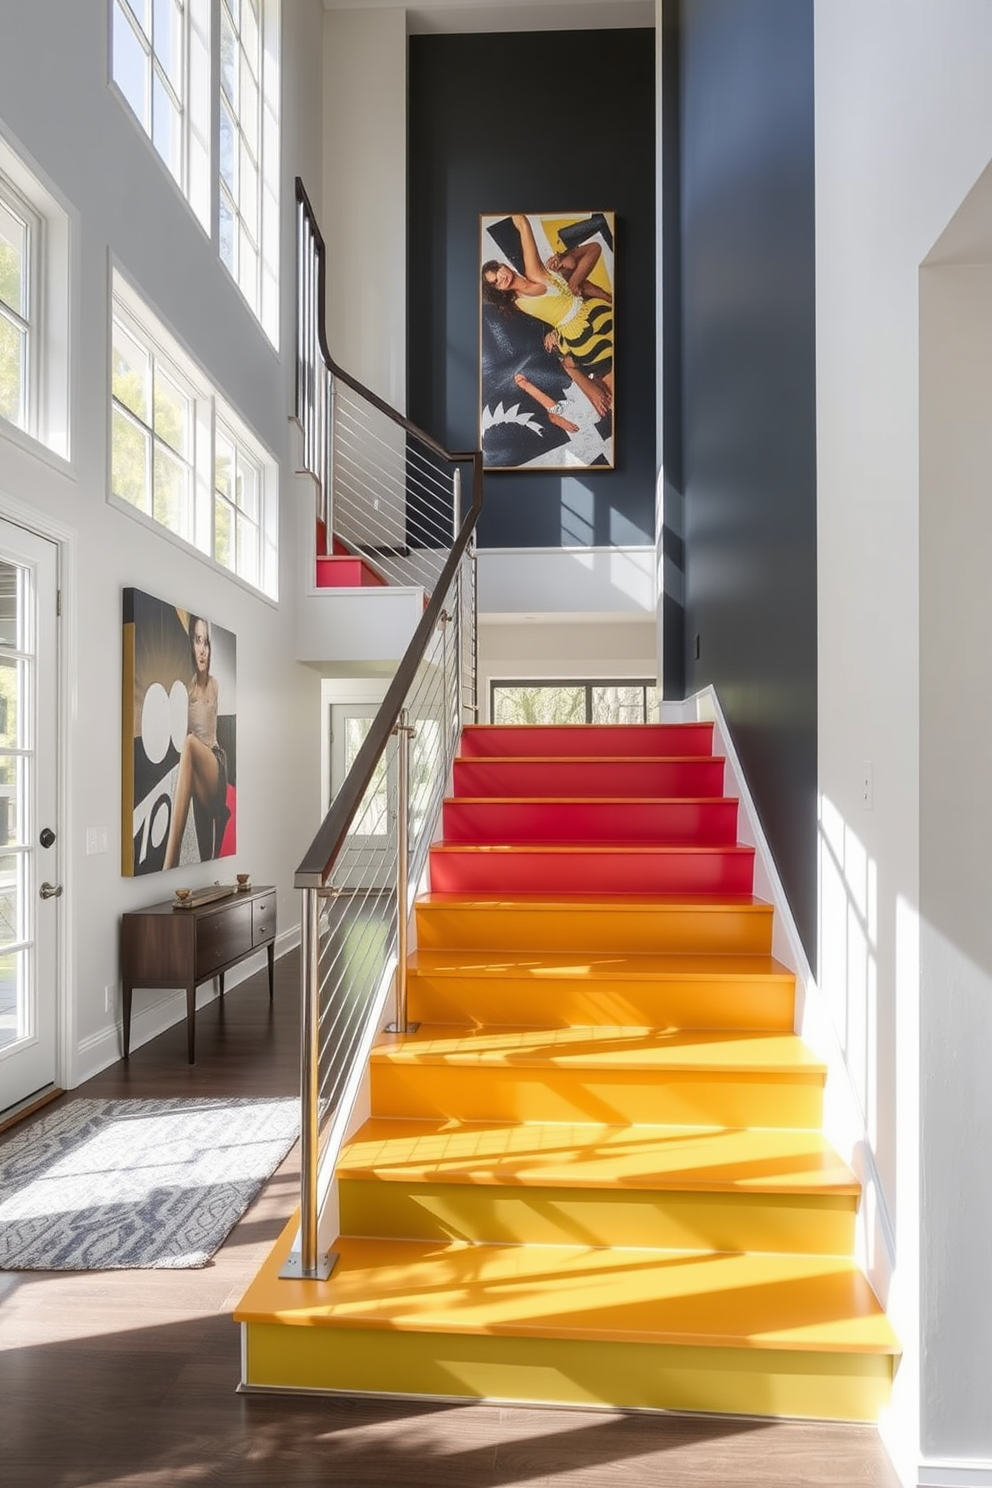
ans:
(30, 851)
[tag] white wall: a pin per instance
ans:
(363, 220)
(57, 107)
(955, 831)
(546, 650)
(904, 128)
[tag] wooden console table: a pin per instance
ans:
(166, 946)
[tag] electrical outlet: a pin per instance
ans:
(96, 840)
(110, 997)
(867, 784)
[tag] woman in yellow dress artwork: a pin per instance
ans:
(561, 293)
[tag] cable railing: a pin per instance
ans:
(383, 486)
(361, 873)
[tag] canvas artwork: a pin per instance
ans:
(546, 341)
(179, 747)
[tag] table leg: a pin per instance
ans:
(191, 1021)
(270, 951)
(127, 990)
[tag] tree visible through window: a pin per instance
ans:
(573, 702)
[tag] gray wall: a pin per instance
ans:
(537, 121)
(746, 367)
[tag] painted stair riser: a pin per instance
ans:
(640, 740)
(577, 777)
(537, 1215)
(736, 1381)
(346, 573)
(534, 870)
(730, 1098)
(712, 822)
(690, 928)
(562, 1001)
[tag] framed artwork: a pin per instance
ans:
(179, 741)
(546, 341)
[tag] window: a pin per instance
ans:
(248, 165)
(573, 702)
(34, 308)
(181, 458)
(19, 237)
(161, 64)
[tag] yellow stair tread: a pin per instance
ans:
(810, 1303)
(602, 1048)
(580, 1155)
(596, 965)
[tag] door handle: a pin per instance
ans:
(50, 891)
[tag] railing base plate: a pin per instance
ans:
(292, 1269)
(407, 1028)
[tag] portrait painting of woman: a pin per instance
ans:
(180, 779)
(547, 341)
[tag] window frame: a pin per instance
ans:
(264, 301)
(209, 410)
(574, 683)
(45, 425)
(31, 321)
(195, 103)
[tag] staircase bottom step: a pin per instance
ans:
(571, 1325)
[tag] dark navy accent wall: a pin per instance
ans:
(748, 434)
(533, 121)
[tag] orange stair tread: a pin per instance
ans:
(596, 965)
(602, 1048)
(579, 1155)
(596, 903)
(802, 1303)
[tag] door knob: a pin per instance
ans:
(50, 891)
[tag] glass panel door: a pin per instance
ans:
(29, 849)
(368, 861)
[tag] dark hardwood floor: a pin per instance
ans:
(128, 1378)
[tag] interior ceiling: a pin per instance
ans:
(515, 15)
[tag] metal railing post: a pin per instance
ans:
(306, 1262)
(404, 734)
(458, 606)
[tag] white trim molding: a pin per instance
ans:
(954, 1473)
(844, 1124)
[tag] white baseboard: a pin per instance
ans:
(954, 1473)
(844, 1123)
(157, 1012)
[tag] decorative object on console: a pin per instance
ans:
(179, 744)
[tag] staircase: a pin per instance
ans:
(595, 1173)
(340, 568)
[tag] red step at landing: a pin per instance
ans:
(690, 776)
(647, 868)
(706, 820)
(346, 572)
(630, 740)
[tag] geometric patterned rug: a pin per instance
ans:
(104, 1185)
